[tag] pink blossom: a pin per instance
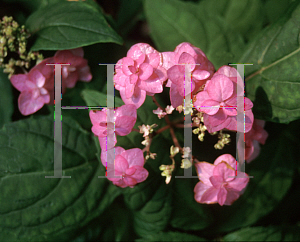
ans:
(77, 70)
(140, 73)
(33, 88)
(37, 87)
(252, 139)
(123, 122)
(201, 70)
(218, 102)
(217, 182)
(129, 164)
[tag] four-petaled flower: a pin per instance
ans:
(201, 69)
(33, 92)
(218, 183)
(37, 86)
(218, 102)
(140, 73)
(122, 122)
(128, 166)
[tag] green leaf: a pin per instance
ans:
(6, 98)
(272, 175)
(245, 17)
(130, 12)
(154, 216)
(187, 213)
(171, 236)
(265, 234)
(273, 81)
(95, 98)
(68, 25)
(173, 22)
(276, 8)
(34, 208)
(117, 223)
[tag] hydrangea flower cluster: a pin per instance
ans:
(37, 86)
(145, 71)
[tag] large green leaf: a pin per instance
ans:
(245, 17)
(154, 216)
(265, 234)
(35, 208)
(275, 9)
(187, 213)
(173, 22)
(272, 175)
(273, 81)
(171, 236)
(6, 99)
(67, 25)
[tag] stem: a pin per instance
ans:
(156, 103)
(175, 140)
(183, 126)
(162, 129)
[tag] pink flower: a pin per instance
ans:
(77, 70)
(33, 88)
(139, 74)
(128, 164)
(37, 87)
(123, 122)
(252, 139)
(218, 102)
(217, 182)
(185, 53)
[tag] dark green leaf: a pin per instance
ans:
(6, 98)
(276, 8)
(68, 25)
(171, 236)
(187, 213)
(273, 81)
(33, 208)
(154, 216)
(265, 234)
(173, 22)
(245, 17)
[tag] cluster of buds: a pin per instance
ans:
(13, 40)
(146, 130)
(198, 120)
(160, 113)
(187, 108)
(223, 140)
(186, 161)
(168, 169)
